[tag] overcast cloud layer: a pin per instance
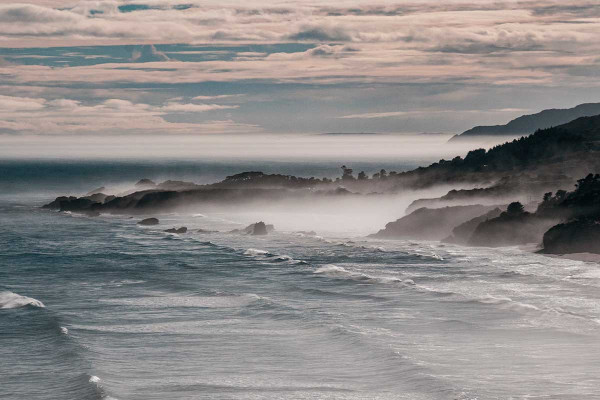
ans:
(216, 67)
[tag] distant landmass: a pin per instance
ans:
(528, 124)
(529, 169)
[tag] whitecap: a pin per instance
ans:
(256, 252)
(334, 271)
(64, 330)
(13, 300)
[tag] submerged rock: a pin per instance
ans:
(183, 229)
(206, 231)
(148, 222)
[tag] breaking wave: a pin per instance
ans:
(334, 271)
(13, 300)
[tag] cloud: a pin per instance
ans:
(232, 46)
(215, 97)
(63, 116)
(9, 103)
(393, 114)
(177, 107)
(316, 33)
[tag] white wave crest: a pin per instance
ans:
(334, 271)
(506, 302)
(13, 300)
(256, 252)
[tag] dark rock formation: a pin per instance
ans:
(183, 229)
(259, 228)
(463, 232)
(513, 227)
(148, 222)
(577, 236)
(431, 224)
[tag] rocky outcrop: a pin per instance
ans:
(462, 233)
(258, 228)
(511, 228)
(578, 236)
(206, 231)
(183, 229)
(149, 222)
(431, 224)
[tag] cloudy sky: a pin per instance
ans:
(164, 67)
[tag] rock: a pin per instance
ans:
(431, 224)
(578, 236)
(252, 229)
(463, 232)
(183, 229)
(259, 229)
(148, 222)
(97, 197)
(510, 230)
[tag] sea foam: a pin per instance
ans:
(13, 300)
(334, 271)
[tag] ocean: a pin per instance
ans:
(102, 308)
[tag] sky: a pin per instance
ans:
(189, 67)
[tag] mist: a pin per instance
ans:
(265, 147)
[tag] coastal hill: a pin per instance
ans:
(549, 159)
(528, 124)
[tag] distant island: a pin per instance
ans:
(528, 124)
(519, 193)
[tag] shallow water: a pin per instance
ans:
(95, 308)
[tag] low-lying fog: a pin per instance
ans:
(118, 162)
(343, 147)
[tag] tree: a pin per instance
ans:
(560, 194)
(547, 196)
(382, 174)
(346, 173)
(362, 176)
(515, 208)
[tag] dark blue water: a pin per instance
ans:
(94, 308)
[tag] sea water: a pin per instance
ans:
(100, 308)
